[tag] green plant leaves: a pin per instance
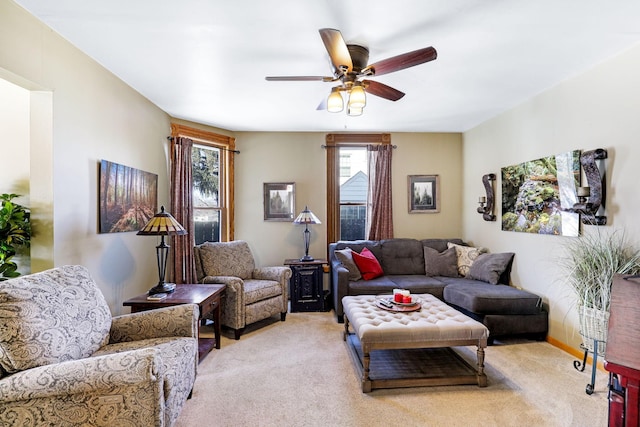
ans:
(15, 232)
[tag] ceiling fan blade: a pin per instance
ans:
(400, 62)
(299, 78)
(338, 51)
(382, 90)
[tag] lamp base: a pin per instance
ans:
(306, 258)
(162, 288)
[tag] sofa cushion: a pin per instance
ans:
(51, 317)
(441, 245)
(489, 267)
(402, 256)
(419, 284)
(379, 285)
(258, 290)
(359, 245)
(483, 298)
(346, 258)
(367, 264)
(466, 255)
(440, 263)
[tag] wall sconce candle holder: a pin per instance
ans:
(486, 203)
(591, 199)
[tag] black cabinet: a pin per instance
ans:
(306, 285)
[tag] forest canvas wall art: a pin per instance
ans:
(537, 195)
(128, 197)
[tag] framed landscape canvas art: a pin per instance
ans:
(128, 197)
(279, 201)
(537, 195)
(424, 193)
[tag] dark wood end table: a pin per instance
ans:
(306, 288)
(206, 296)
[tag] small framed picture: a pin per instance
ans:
(279, 201)
(424, 193)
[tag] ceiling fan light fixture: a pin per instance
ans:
(354, 111)
(357, 97)
(335, 103)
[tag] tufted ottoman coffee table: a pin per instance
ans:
(410, 349)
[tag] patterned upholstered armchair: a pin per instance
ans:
(252, 293)
(65, 361)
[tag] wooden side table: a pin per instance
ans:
(306, 285)
(206, 296)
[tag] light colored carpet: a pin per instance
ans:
(298, 373)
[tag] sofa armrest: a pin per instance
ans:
(278, 274)
(233, 308)
(100, 375)
(340, 286)
(175, 321)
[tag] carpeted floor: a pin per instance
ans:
(298, 373)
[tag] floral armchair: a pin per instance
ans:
(252, 293)
(65, 361)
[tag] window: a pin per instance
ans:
(347, 194)
(205, 168)
(212, 191)
(345, 165)
(353, 192)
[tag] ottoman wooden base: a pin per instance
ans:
(412, 349)
(417, 367)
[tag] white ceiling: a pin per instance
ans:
(205, 60)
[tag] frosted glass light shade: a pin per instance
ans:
(357, 97)
(335, 104)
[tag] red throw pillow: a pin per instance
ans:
(367, 264)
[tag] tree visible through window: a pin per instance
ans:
(205, 165)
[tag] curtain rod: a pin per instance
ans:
(219, 148)
(341, 145)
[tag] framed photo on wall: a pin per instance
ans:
(424, 193)
(279, 201)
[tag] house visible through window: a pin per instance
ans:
(205, 164)
(348, 184)
(354, 186)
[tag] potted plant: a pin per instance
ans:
(590, 262)
(15, 233)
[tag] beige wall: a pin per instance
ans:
(300, 158)
(14, 145)
(598, 109)
(91, 115)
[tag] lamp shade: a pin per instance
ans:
(353, 111)
(335, 103)
(357, 97)
(306, 217)
(162, 224)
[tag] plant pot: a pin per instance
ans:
(593, 326)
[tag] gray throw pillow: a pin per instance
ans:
(489, 267)
(440, 263)
(345, 257)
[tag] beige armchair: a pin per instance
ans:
(252, 293)
(65, 361)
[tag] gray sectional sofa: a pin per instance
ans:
(479, 288)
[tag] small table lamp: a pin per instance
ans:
(306, 217)
(162, 224)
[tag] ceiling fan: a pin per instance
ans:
(349, 66)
